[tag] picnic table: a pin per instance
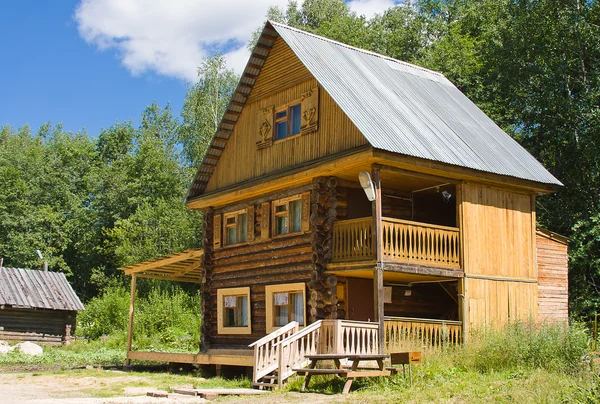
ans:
(351, 373)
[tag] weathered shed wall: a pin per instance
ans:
(283, 80)
(35, 324)
(553, 279)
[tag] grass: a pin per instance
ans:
(523, 363)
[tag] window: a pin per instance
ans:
(233, 311)
(236, 227)
(287, 215)
(287, 122)
(285, 303)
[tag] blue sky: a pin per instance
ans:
(90, 63)
(49, 73)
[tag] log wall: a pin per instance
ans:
(35, 324)
(282, 80)
(553, 279)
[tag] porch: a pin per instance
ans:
(277, 354)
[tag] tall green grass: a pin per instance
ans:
(548, 346)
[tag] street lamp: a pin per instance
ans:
(367, 185)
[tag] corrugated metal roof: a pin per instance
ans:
(410, 110)
(28, 288)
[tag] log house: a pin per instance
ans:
(295, 253)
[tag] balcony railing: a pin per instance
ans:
(408, 334)
(403, 241)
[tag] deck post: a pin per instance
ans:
(130, 326)
(378, 248)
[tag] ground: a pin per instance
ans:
(113, 386)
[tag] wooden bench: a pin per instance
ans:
(340, 371)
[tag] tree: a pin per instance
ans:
(204, 105)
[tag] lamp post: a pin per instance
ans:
(371, 184)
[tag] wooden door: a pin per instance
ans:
(360, 299)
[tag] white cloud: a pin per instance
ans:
(369, 8)
(171, 37)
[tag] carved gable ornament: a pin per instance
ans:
(310, 111)
(265, 127)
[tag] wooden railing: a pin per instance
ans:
(420, 243)
(292, 351)
(321, 337)
(406, 334)
(403, 241)
(266, 350)
(353, 239)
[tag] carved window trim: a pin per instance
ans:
(309, 119)
(271, 290)
(304, 201)
(244, 235)
(221, 311)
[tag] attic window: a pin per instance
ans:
(287, 121)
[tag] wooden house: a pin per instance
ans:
(38, 306)
(447, 244)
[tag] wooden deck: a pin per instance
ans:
(229, 357)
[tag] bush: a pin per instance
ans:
(165, 320)
(104, 315)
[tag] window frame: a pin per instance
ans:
(271, 290)
(274, 214)
(239, 231)
(287, 108)
(221, 327)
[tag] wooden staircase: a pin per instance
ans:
(277, 354)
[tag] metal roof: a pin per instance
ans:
(29, 288)
(406, 109)
(397, 106)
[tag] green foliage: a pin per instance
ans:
(166, 319)
(105, 314)
(203, 107)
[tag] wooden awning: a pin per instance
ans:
(185, 266)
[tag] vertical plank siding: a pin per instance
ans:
(498, 229)
(553, 279)
(499, 255)
(283, 80)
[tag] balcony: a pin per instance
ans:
(404, 241)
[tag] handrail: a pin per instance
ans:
(420, 224)
(266, 350)
(302, 333)
(423, 320)
(275, 334)
(292, 351)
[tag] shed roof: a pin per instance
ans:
(397, 106)
(184, 266)
(35, 289)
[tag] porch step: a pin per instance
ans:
(262, 386)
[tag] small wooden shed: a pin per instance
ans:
(553, 276)
(35, 305)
